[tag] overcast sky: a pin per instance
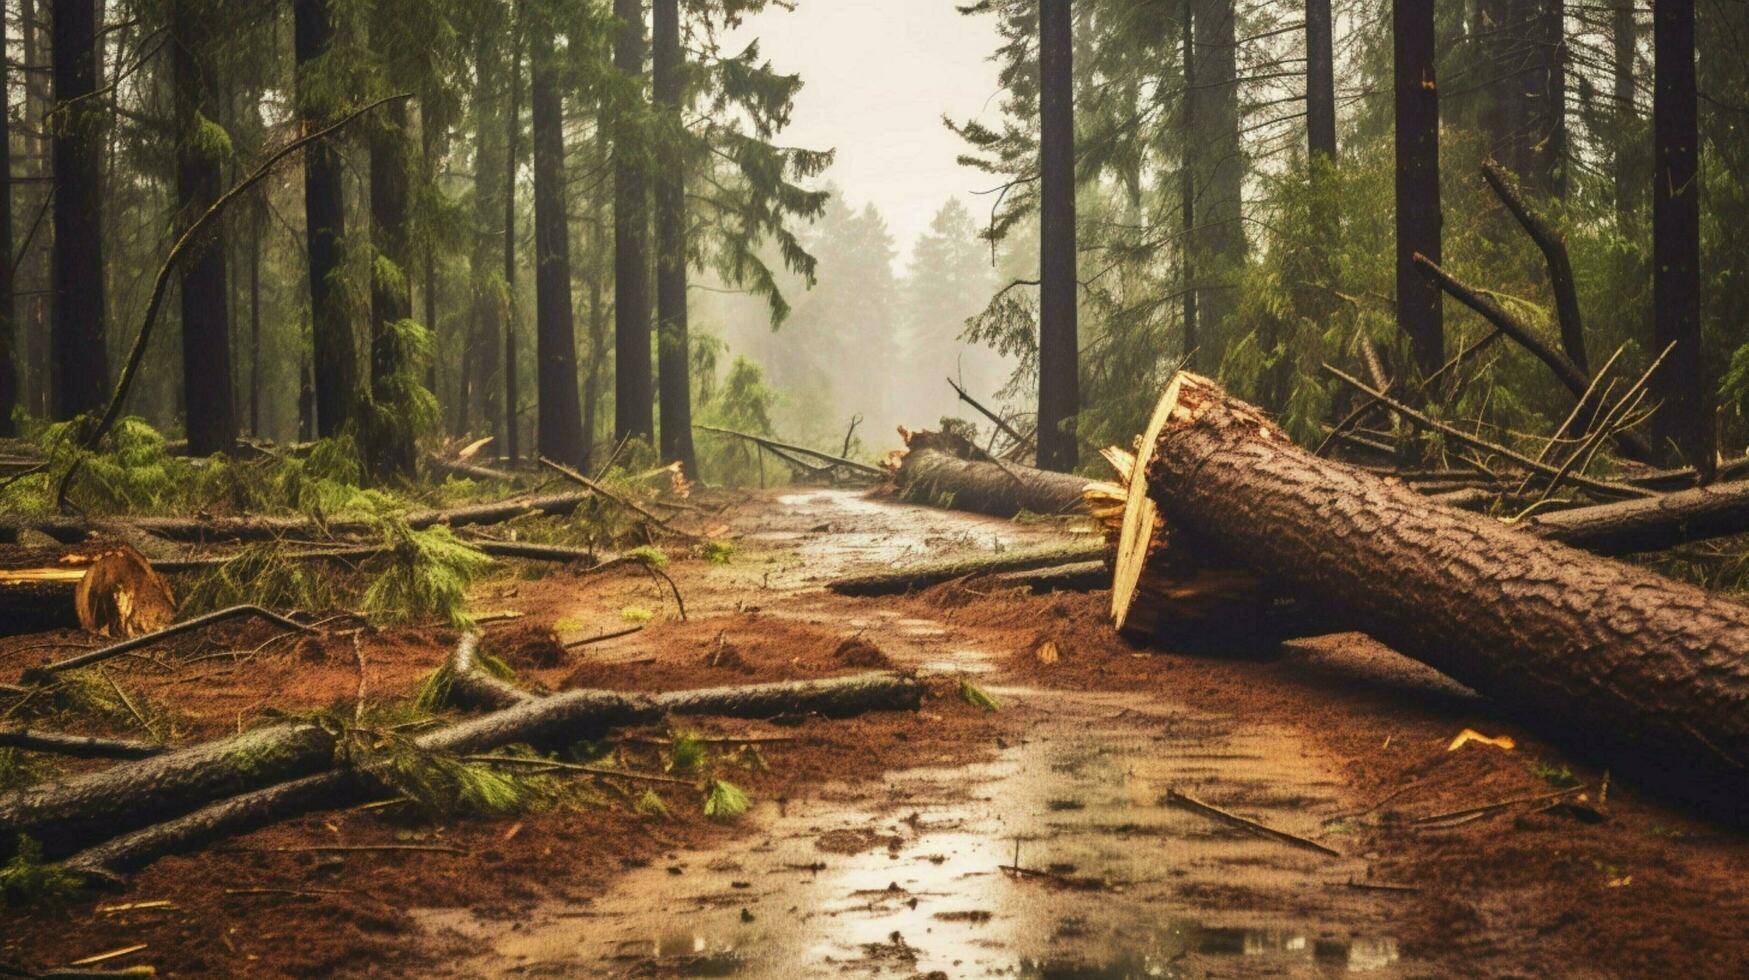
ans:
(878, 76)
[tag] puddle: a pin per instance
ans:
(908, 876)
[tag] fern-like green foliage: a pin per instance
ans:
(28, 879)
(975, 696)
(260, 574)
(18, 770)
(428, 576)
(724, 801)
(651, 804)
(687, 753)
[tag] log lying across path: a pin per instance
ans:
(1648, 675)
(944, 469)
(106, 588)
(921, 576)
(302, 762)
(76, 529)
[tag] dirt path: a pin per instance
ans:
(888, 845)
(916, 873)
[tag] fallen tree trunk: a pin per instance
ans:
(944, 470)
(1649, 675)
(911, 578)
(548, 722)
(76, 746)
(76, 813)
(76, 529)
(107, 588)
(1652, 524)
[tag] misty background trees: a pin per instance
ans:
(585, 222)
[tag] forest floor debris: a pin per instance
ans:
(1336, 740)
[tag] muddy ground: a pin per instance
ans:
(1035, 840)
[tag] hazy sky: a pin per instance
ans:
(878, 76)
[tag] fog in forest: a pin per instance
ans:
(902, 260)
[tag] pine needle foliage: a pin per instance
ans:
(28, 879)
(975, 696)
(724, 802)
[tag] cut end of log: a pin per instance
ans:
(1141, 524)
(122, 596)
(106, 588)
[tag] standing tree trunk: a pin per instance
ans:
(1058, 346)
(513, 121)
(257, 221)
(672, 344)
(9, 346)
(1495, 55)
(489, 291)
(34, 342)
(390, 450)
(1187, 189)
(335, 362)
(211, 419)
(1320, 81)
(1419, 313)
(633, 400)
(1219, 238)
(1625, 36)
(560, 434)
(79, 361)
(1685, 421)
(1542, 93)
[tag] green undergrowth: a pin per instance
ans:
(27, 879)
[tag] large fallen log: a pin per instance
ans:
(75, 529)
(72, 814)
(107, 588)
(549, 722)
(1652, 524)
(1648, 675)
(945, 470)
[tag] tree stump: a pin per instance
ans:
(107, 588)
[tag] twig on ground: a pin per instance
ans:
(1185, 801)
(199, 622)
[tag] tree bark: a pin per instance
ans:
(211, 420)
(276, 773)
(673, 348)
(1058, 345)
(9, 345)
(1219, 242)
(1320, 81)
(633, 395)
(1540, 137)
(947, 471)
(106, 588)
(335, 362)
(1648, 675)
(79, 361)
(513, 122)
(560, 434)
(1419, 314)
(1187, 164)
(389, 447)
(489, 290)
(1685, 419)
(1628, 185)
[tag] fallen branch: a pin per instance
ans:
(1605, 487)
(626, 502)
(76, 746)
(773, 444)
(188, 626)
(1191, 803)
(1016, 438)
(922, 576)
(189, 797)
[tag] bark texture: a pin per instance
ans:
(1648, 675)
(673, 348)
(335, 358)
(560, 433)
(634, 397)
(946, 471)
(1058, 346)
(79, 364)
(1419, 314)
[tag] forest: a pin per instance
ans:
(916, 488)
